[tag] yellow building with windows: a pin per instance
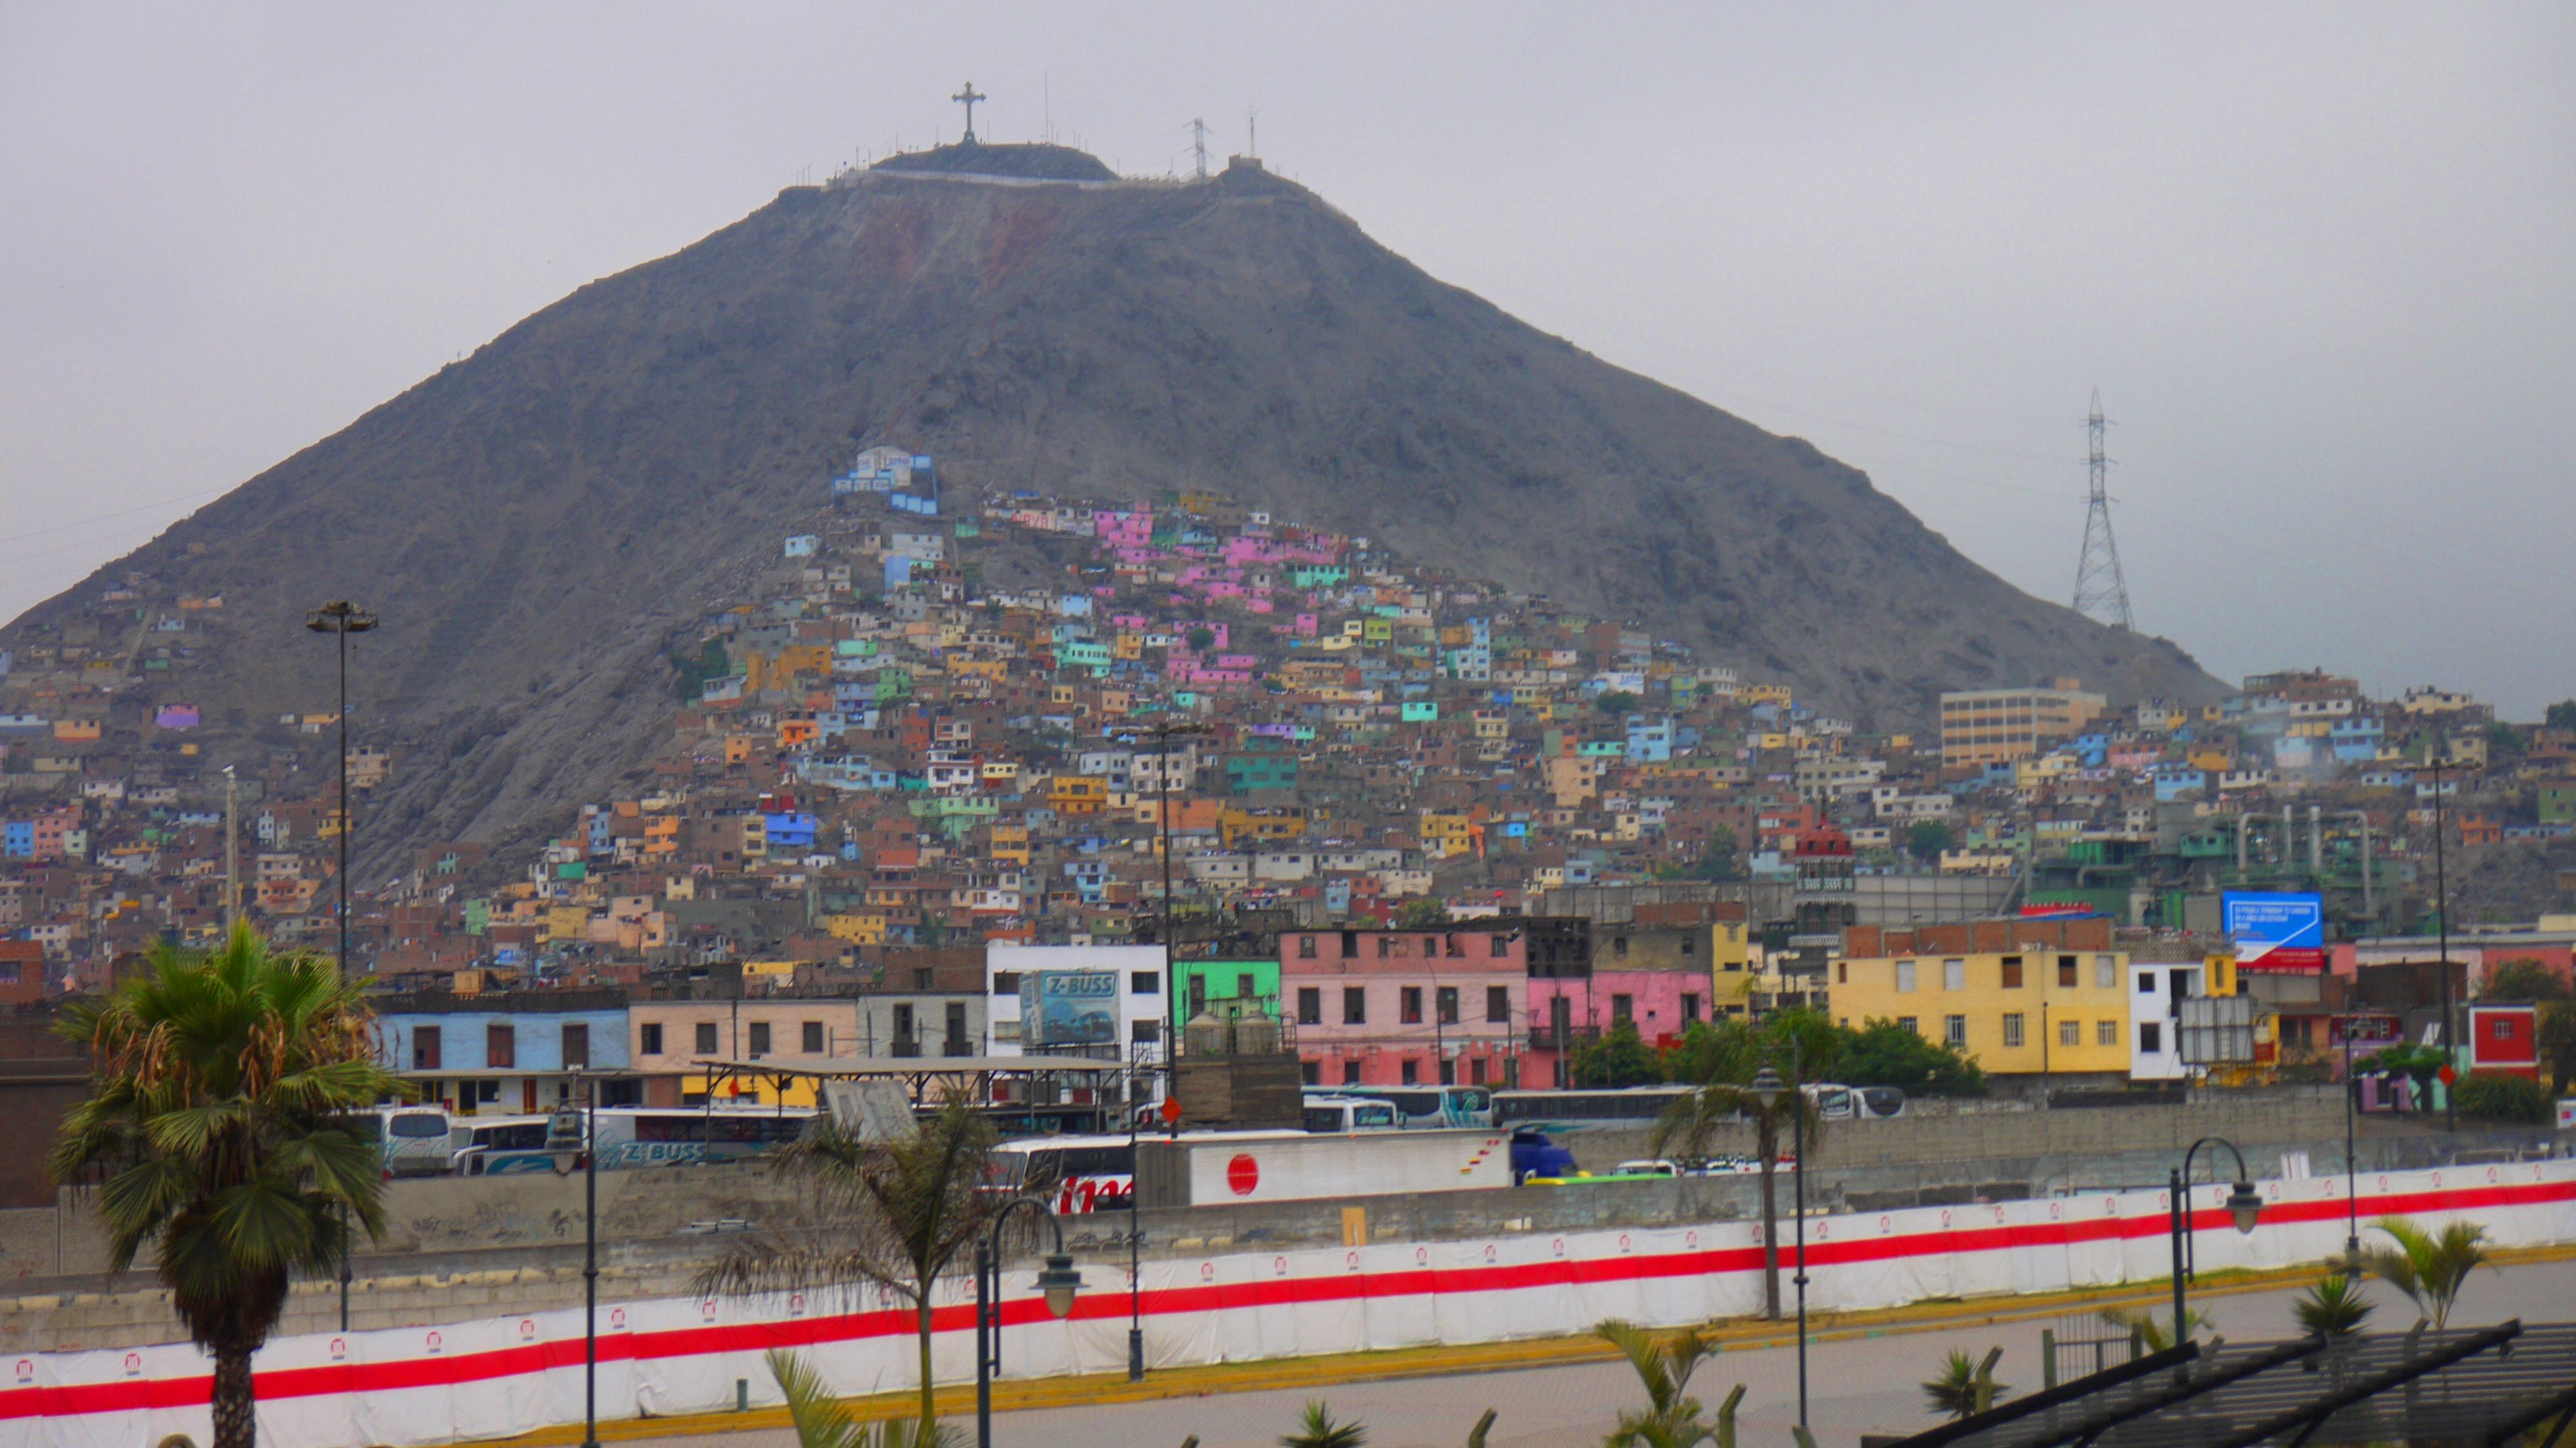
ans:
(2023, 1012)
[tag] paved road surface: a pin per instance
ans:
(1860, 1386)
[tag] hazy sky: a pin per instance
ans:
(2321, 261)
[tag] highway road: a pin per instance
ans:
(1864, 1385)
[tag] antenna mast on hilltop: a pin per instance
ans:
(1252, 134)
(1198, 133)
(970, 97)
(2101, 592)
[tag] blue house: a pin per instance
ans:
(509, 1051)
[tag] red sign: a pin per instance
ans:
(1171, 1111)
(1242, 1174)
(2446, 1075)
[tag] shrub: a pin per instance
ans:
(2488, 1097)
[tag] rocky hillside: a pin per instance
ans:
(537, 522)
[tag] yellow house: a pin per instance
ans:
(2033, 1010)
(1010, 844)
(568, 922)
(1077, 794)
(1444, 835)
(866, 929)
(1766, 694)
(737, 749)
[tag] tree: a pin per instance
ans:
(1883, 1053)
(219, 1087)
(1720, 859)
(893, 1214)
(2333, 1306)
(2561, 715)
(1616, 702)
(1724, 1062)
(1964, 1387)
(2558, 1043)
(2156, 1333)
(2503, 740)
(2524, 979)
(1316, 1429)
(823, 1421)
(2430, 1268)
(1664, 1366)
(1926, 839)
(1423, 913)
(1617, 1059)
(1202, 638)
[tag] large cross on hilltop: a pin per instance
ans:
(970, 97)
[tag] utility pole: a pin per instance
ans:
(2101, 591)
(232, 851)
(2442, 925)
(1198, 143)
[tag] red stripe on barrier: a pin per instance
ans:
(464, 1368)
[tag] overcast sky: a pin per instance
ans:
(2320, 261)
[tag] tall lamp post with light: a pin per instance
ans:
(1768, 1089)
(2243, 1207)
(343, 618)
(1057, 1280)
(1163, 733)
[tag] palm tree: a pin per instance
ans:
(1664, 1367)
(1316, 1429)
(2333, 1306)
(2429, 1268)
(1696, 1122)
(1964, 1386)
(894, 1214)
(823, 1421)
(2155, 1332)
(218, 1083)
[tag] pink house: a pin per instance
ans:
(1663, 1003)
(1406, 1007)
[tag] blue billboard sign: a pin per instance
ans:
(1068, 1008)
(2275, 930)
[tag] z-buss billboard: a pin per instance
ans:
(2275, 931)
(1068, 1008)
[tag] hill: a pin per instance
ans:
(538, 523)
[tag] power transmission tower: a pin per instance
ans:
(2101, 592)
(1198, 133)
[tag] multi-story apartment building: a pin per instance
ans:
(1994, 726)
(2029, 1000)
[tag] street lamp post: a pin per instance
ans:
(2351, 1166)
(2243, 1207)
(1767, 1088)
(1058, 1281)
(590, 1261)
(1164, 732)
(343, 618)
(2442, 927)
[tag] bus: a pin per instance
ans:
(1632, 1106)
(1079, 1174)
(1425, 1107)
(632, 1136)
(511, 1146)
(1338, 1113)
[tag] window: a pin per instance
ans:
(648, 1039)
(1354, 1006)
(1447, 1001)
(1243, 987)
(500, 1046)
(1145, 1033)
(2012, 1029)
(1312, 1071)
(1310, 1005)
(706, 1038)
(2503, 1029)
(1306, 951)
(1905, 977)
(1144, 982)
(2070, 1033)
(576, 1047)
(1619, 946)
(1412, 1072)
(1351, 950)
(1455, 950)
(1497, 946)
(1954, 1029)
(1909, 1025)
(1448, 1072)
(759, 1038)
(1408, 1010)
(1476, 1071)
(956, 1020)
(903, 1021)
(1498, 1003)
(1623, 1007)
(1385, 943)
(2146, 982)
(424, 1048)
(1689, 946)
(1351, 1073)
(1842, 972)
(1954, 975)
(1006, 982)
(2066, 971)
(810, 1039)
(1690, 1008)
(2106, 1033)
(2012, 972)
(2151, 1037)
(2106, 973)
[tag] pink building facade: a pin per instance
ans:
(1406, 1007)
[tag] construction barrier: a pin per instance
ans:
(496, 1377)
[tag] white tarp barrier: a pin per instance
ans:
(497, 1377)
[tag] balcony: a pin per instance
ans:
(1547, 1038)
(902, 1047)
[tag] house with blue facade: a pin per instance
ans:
(509, 1051)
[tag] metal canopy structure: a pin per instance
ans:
(2491, 1385)
(934, 1080)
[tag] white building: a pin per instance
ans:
(1133, 996)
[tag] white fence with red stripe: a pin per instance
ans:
(496, 1377)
